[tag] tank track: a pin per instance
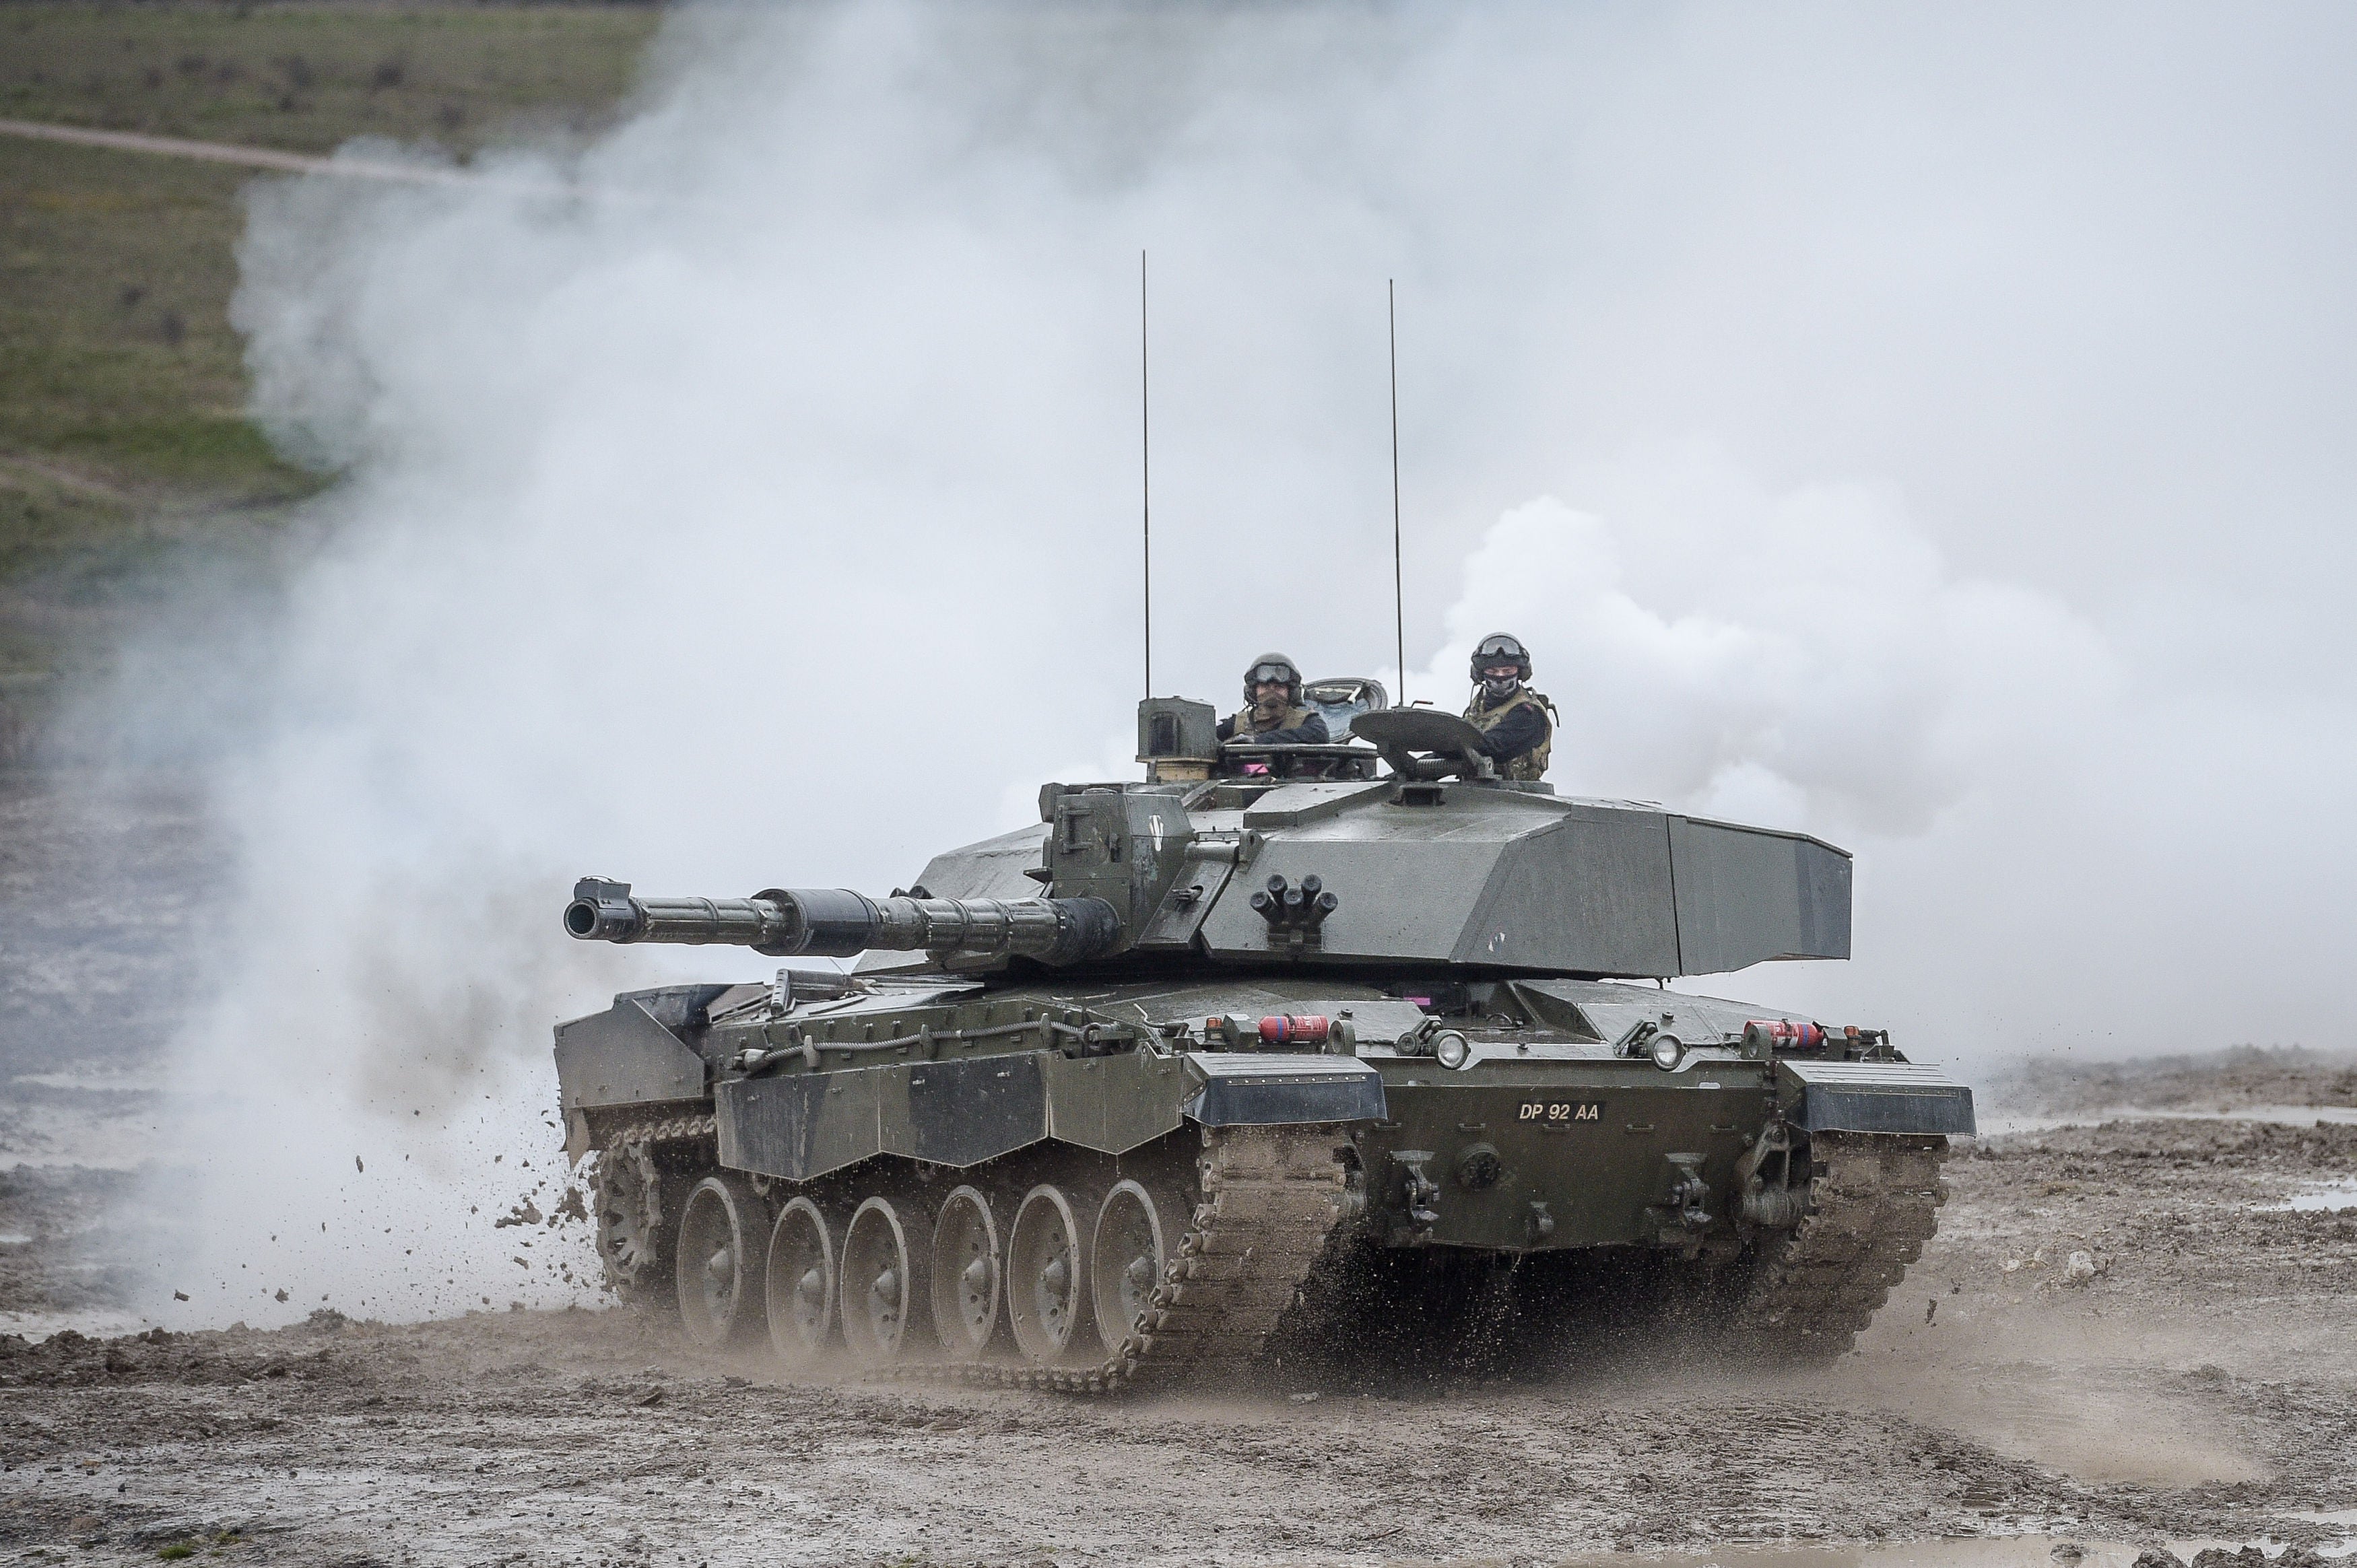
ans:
(666, 1129)
(1873, 1203)
(637, 1195)
(1270, 1198)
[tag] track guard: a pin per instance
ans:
(1256, 1089)
(629, 1054)
(1875, 1097)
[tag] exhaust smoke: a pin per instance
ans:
(1868, 437)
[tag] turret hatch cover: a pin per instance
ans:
(1415, 729)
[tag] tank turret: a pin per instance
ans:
(1432, 864)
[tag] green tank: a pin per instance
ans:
(1348, 1046)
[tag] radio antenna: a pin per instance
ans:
(1399, 593)
(1145, 475)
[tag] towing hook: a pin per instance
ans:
(1419, 1195)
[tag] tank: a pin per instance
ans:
(1343, 1050)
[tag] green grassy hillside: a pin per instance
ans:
(307, 77)
(122, 438)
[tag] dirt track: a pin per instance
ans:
(271, 158)
(2197, 1384)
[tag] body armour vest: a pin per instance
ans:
(1292, 718)
(1531, 765)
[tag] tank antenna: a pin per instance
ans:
(1399, 595)
(1145, 475)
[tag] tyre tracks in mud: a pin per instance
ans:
(2029, 1404)
(553, 1435)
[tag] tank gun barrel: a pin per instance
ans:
(834, 922)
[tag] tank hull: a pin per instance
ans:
(1158, 1107)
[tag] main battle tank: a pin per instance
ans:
(1280, 1035)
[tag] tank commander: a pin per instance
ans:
(1273, 713)
(1516, 728)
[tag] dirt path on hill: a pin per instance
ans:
(271, 158)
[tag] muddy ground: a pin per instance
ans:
(2116, 1336)
(2138, 1330)
(105, 874)
(2242, 1080)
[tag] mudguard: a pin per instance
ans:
(1875, 1097)
(1256, 1089)
(630, 1055)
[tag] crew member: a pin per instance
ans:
(1272, 715)
(1516, 729)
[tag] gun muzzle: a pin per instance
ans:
(834, 922)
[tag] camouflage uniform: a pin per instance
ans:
(1514, 759)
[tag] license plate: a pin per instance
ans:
(1562, 1110)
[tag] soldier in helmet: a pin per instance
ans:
(1272, 715)
(1516, 729)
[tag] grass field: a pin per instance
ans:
(308, 76)
(122, 436)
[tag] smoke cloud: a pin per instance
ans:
(1926, 433)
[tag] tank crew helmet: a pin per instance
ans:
(1495, 652)
(1273, 667)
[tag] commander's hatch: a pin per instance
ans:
(1453, 746)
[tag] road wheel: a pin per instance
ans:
(1136, 1237)
(888, 1297)
(723, 1244)
(1047, 1277)
(967, 1269)
(800, 1285)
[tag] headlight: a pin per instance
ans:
(1669, 1052)
(1452, 1048)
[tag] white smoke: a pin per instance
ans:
(1807, 658)
(2055, 851)
(1849, 414)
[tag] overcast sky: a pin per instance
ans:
(1929, 429)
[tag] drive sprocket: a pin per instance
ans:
(636, 1189)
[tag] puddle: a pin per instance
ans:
(2318, 1196)
(111, 1129)
(2001, 1551)
(18, 1238)
(93, 1083)
(73, 1160)
(2277, 1115)
(2052, 1413)
(107, 1324)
